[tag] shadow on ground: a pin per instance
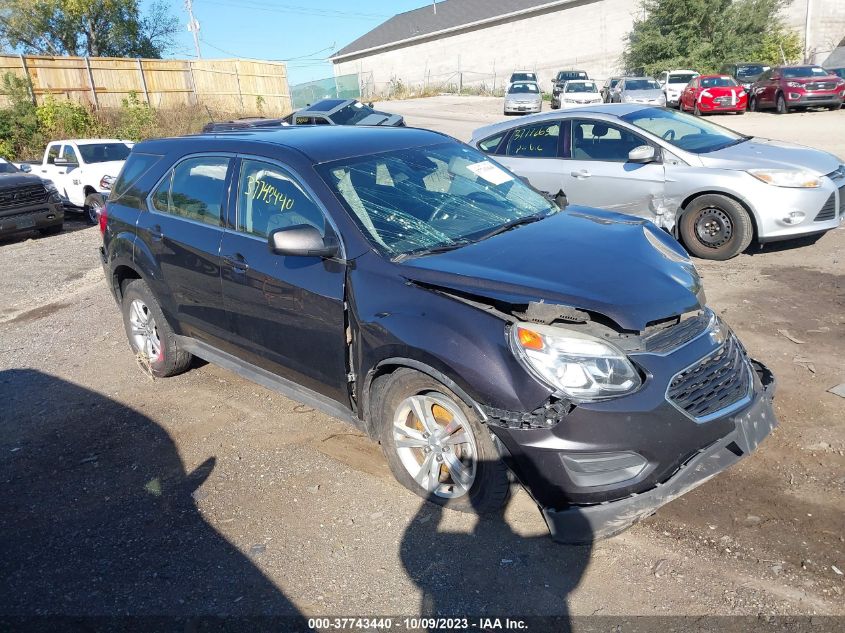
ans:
(492, 571)
(99, 516)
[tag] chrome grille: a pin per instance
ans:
(714, 386)
(22, 196)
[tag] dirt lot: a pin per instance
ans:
(207, 494)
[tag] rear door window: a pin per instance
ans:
(194, 189)
(538, 140)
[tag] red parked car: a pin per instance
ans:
(713, 93)
(785, 88)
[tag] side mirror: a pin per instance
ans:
(26, 168)
(642, 154)
(302, 240)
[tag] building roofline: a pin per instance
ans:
(452, 29)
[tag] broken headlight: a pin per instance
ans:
(579, 366)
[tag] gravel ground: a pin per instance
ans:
(207, 494)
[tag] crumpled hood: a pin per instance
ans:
(760, 153)
(583, 258)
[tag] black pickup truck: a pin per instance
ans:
(28, 203)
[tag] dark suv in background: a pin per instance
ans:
(28, 203)
(405, 282)
(745, 73)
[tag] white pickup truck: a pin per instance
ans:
(83, 170)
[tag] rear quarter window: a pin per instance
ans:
(124, 189)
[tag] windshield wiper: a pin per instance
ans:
(507, 226)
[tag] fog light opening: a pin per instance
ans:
(794, 96)
(602, 469)
(794, 217)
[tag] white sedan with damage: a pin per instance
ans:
(713, 188)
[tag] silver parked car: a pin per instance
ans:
(713, 188)
(639, 90)
(523, 97)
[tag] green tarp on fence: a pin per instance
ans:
(342, 87)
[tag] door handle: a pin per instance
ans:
(581, 173)
(236, 262)
(156, 234)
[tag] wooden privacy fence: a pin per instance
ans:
(228, 85)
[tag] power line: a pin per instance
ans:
(310, 11)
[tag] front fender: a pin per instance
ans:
(398, 322)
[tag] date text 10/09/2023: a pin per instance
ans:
(417, 623)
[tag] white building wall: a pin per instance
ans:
(827, 26)
(589, 36)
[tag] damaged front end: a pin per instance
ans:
(653, 414)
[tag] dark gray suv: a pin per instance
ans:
(405, 282)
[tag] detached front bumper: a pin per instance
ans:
(579, 524)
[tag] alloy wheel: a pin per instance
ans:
(713, 227)
(435, 444)
(93, 211)
(144, 332)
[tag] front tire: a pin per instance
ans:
(149, 334)
(753, 105)
(696, 111)
(436, 446)
(716, 227)
(94, 204)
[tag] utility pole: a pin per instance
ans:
(807, 32)
(193, 26)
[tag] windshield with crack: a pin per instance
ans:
(423, 199)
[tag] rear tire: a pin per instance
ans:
(426, 456)
(781, 106)
(150, 336)
(94, 204)
(716, 227)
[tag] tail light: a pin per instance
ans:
(104, 219)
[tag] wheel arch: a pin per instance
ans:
(388, 366)
(676, 231)
(87, 190)
(121, 275)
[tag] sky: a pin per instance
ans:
(302, 31)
